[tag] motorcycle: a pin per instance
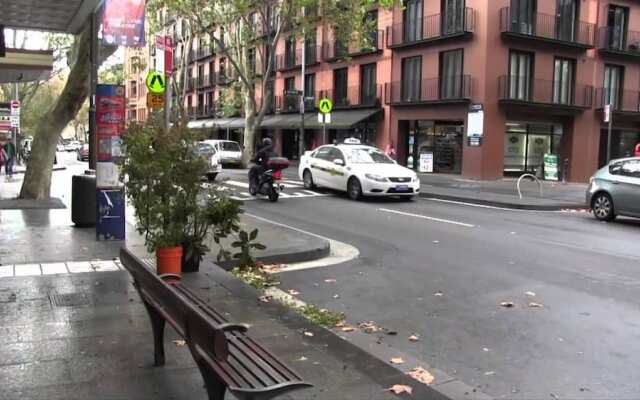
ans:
(268, 182)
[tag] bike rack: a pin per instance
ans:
(529, 176)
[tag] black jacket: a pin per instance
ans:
(264, 154)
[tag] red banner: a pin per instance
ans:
(123, 23)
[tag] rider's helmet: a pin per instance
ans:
(267, 141)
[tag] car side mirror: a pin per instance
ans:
(338, 161)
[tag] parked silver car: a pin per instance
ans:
(615, 190)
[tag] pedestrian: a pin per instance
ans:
(3, 157)
(10, 156)
(637, 150)
(391, 151)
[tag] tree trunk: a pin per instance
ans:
(37, 179)
(250, 127)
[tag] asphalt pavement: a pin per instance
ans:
(440, 270)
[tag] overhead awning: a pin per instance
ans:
(217, 123)
(68, 16)
(281, 121)
(25, 65)
(341, 119)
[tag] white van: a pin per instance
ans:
(229, 152)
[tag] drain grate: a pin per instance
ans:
(69, 299)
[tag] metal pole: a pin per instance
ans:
(93, 55)
(167, 77)
(609, 133)
(16, 130)
(324, 129)
(304, 62)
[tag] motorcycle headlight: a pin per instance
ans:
(374, 177)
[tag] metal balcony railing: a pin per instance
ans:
(548, 27)
(433, 90)
(291, 61)
(335, 50)
(354, 96)
(432, 28)
(519, 89)
(623, 100)
(290, 102)
(615, 39)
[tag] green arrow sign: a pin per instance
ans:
(325, 105)
(156, 82)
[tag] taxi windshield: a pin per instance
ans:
(367, 156)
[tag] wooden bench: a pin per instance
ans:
(228, 358)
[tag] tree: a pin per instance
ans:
(112, 75)
(241, 25)
(37, 180)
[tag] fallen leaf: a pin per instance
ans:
(396, 360)
(485, 349)
(438, 294)
(293, 292)
(489, 373)
(347, 329)
(273, 268)
(330, 280)
(421, 375)
(535, 305)
(265, 299)
(400, 389)
(340, 324)
(436, 241)
(303, 358)
(336, 296)
(414, 338)
(369, 327)
(310, 334)
(507, 304)
(316, 284)
(178, 342)
(532, 294)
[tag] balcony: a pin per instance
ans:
(613, 42)
(203, 82)
(627, 105)
(546, 95)
(289, 102)
(335, 50)
(203, 52)
(290, 61)
(354, 97)
(192, 112)
(191, 84)
(545, 28)
(204, 111)
(442, 90)
(432, 29)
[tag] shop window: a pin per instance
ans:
(527, 143)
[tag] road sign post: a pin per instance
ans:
(608, 117)
(325, 106)
(156, 82)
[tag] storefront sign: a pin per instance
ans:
(123, 23)
(426, 162)
(475, 122)
(110, 120)
(551, 167)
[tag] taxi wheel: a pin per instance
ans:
(307, 179)
(354, 189)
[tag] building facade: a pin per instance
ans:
(136, 67)
(541, 71)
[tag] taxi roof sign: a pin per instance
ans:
(352, 140)
(156, 82)
(325, 105)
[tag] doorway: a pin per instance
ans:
(439, 142)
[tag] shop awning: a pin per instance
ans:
(217, 123)
(340, 119)
(281, 121)
(25, 65)
(67, 16)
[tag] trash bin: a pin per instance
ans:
(83, 199)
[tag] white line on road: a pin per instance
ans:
(462, 203)
(446, 221)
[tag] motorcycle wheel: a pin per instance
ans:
(273, 195)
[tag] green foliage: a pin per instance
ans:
(113, 74)
(244, 246)
(255, 277)
(321, 316)
(230, 101)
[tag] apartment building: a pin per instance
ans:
(136, 67)
(541, 71)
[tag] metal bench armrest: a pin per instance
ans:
(229, 327)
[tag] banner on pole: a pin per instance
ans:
(123, 23)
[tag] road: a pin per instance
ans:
(441, 270)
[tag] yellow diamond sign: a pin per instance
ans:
(156, 82)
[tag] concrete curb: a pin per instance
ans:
(502, 204)
(320, 249)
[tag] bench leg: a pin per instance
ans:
(157, 325)
(215, 387)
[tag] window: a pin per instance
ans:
(452, 16)
(368, 93)
(222, 69)
(451, 65)
(567, 12)
(613, 75)
(340, 86)
(132, 114)
(211, 73)
(630, 168)
(411, 78)
(523, 13)
(563, 80)
(200, 104)
(290, 83)
(617, 21)
(251, 56)
(309, 91)
(201, 75)
(210, 103)
(412, 20)
(520, 75)
(335, 154)
(290, 97)
(322, 153)
(289, 52)
(133, 89)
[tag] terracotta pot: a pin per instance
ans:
(169, 260)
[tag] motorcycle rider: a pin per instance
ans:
(261, 159)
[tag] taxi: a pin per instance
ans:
(358, 169)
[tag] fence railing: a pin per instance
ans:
(336, 49)
(548, 27)
(354, 96)
(432, 27)
(614, 38)
(288, 103)
(622, 100)
(526, 90)
(290, 61)
(440, 89)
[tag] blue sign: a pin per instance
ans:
(110, 218)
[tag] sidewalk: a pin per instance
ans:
(503, 192)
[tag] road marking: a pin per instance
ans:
(462, 203)
(446, 221)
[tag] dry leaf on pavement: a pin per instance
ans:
(507, 304)
(400, 389)
(535, 305)
(347, 329)
(330, 280)
(265, 299)
(340, 324)
(438, 293)
(273, 268)
(421, 375)
(303, 358)
(310, 334)
(179, 342)
(336, 296)
(293, 292)
(369, 327)
(532, 294)
(396, 360)
(414, 338)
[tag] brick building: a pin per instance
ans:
(541, 71)
(136, 67)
